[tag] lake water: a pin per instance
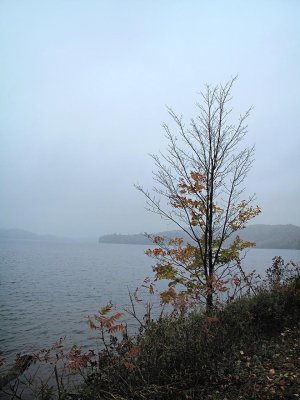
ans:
(47, 289)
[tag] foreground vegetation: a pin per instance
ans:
(249, 350)
(246, 349)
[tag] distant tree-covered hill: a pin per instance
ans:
(124, 239)
(21, 234)
(265, 236)
(139, 238)
(273, 236)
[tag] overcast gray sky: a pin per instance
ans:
(83, 92)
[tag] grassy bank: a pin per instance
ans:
(248, 350)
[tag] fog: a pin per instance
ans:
(83, 92)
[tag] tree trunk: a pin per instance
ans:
(209, 299)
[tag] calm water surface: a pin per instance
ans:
(47, 289)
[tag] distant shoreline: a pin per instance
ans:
(265, 237)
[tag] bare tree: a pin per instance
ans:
(199, 187)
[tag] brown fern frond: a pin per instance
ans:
(106, 309)
(117, 328)
(92, 324)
